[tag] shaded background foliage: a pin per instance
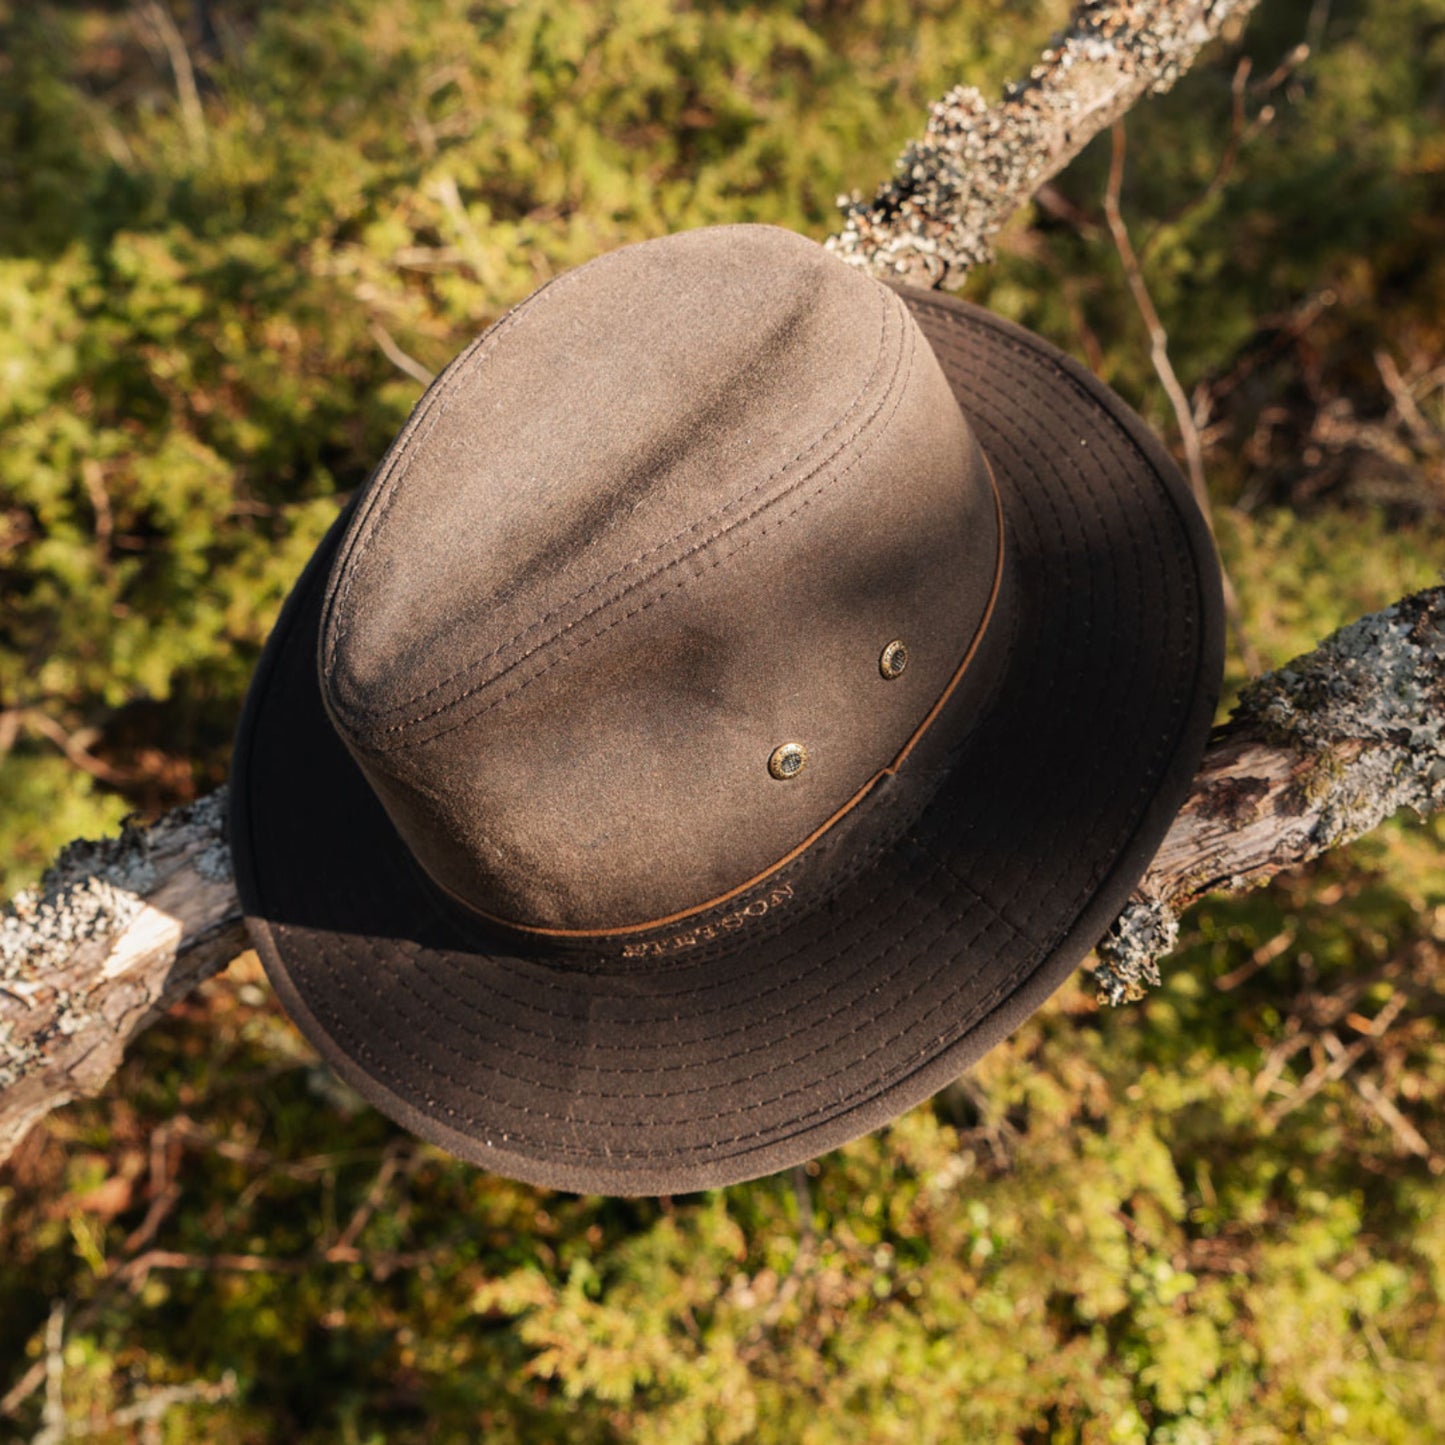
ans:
(232, 239)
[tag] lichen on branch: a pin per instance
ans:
(976, 163)
(1370, 703)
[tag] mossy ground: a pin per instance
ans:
(1213, 1216)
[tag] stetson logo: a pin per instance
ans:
(706, 932)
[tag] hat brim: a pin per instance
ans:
(743, 1057)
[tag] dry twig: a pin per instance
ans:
(159, 29)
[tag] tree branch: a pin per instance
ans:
(1315, 754)
(115, 934)
(976, 164)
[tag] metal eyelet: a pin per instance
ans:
(787, 761)
(894, 659)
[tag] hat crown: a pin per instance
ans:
(661, 521)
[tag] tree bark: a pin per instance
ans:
(1317, 752)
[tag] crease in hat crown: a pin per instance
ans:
(659, 520)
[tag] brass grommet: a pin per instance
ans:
(894, 659)
(787, 761)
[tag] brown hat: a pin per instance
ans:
(740, 696)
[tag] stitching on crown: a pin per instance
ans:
(891, 309)
(385, 739)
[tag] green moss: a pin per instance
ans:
(1139, 1224)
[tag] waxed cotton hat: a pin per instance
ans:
(740, 696)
